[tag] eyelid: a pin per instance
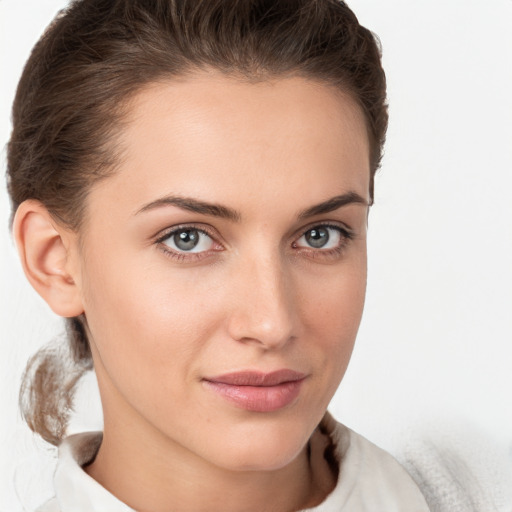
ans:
(186, 256)
(345, 230)
(167, 232)
(328, 254)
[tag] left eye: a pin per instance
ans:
(321, 237)
(188, 240)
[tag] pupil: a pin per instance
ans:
(317, 237)
(186, 239)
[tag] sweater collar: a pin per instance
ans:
(75, 489)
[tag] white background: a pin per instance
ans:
(433, 361)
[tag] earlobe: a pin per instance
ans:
(44, 249)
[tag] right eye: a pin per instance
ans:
(188, 240)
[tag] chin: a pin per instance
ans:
(260, 449)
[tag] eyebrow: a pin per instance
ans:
(224, 212)
(194, 205)
(333, 204)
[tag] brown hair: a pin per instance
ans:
(98, 53)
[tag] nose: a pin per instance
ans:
(263, 306)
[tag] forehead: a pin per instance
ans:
(208, 134)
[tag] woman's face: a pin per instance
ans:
(230, 245)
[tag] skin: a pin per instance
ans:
(255, 295)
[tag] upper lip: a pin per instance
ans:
(257, 378)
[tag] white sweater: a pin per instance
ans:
(369, 479)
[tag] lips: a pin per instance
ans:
(257, 391)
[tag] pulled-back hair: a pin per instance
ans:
(73, 95)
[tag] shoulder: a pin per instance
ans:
(369, 479)
(379, 471)
(75, 490)
(50, 506)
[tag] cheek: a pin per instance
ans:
(144, 325)
(332, 314)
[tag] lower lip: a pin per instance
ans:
(258, 398)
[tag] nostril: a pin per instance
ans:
(271, 327)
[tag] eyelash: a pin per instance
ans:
(346, 236)
(182, 256)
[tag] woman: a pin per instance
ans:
(190, 185)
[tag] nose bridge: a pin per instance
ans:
(264, 310)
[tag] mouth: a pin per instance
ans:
(257, 391)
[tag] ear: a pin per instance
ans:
(46, 249)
